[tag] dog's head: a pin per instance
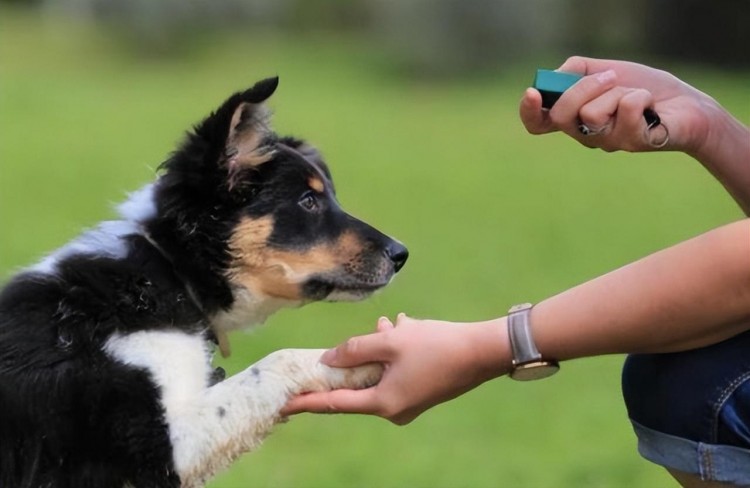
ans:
(260, 211)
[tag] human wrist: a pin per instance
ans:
(721, 137)
(725, 153)
(491, 348)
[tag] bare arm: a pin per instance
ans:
(690, 295)
(687, 296)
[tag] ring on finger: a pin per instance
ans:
(592, 131)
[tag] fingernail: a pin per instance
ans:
(606, 76)
(328, 357)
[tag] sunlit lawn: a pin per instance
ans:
(492, 217)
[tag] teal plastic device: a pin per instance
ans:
(552, 84)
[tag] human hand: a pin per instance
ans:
(427, 362)
(611, 99)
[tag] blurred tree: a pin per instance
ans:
(452, 37)
(439, 37)
(606, 28)
(330, 15)
(165, 27)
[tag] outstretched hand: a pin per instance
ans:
(427, 362)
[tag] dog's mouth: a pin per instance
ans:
(339, 289)
(358, 278)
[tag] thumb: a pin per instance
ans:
(534, 119)
(360, 350)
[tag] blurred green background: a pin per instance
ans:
(414, 105)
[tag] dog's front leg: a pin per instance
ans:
(235, 415)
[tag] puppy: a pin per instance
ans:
(106, 344)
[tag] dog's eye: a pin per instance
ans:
(309, 202)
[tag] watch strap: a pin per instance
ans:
(519, 330)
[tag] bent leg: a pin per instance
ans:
(687, 480)
(691, 411)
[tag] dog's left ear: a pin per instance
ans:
(237, 134)
(235, 137)
(248, 141)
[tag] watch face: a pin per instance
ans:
(534, 371)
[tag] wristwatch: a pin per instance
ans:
(528, 363)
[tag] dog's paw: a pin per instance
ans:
(355, 378)
(303, 372)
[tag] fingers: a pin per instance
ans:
(402, 318)
(597, 111)
(605, 109)
(598, 114)
(575, 64)
(384, 324)
(336, 401)
(366, 402)
(630, 133)
(362, 349)
(587, 66)
(564, 114)
(616, 120)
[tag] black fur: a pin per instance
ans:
(70, 415)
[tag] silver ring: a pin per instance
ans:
(588, 131)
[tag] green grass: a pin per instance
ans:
(492, 217)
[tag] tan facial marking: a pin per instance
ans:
(316, 184)
(278, 273)
(249, 241)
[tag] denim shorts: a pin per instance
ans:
(691, 410)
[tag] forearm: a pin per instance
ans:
(690, 295)
(726, 154)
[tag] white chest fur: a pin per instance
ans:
(179, 363)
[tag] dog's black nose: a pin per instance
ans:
(398, 254)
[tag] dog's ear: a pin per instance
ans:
(235, 137)
(248, 141)
(237, 134)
